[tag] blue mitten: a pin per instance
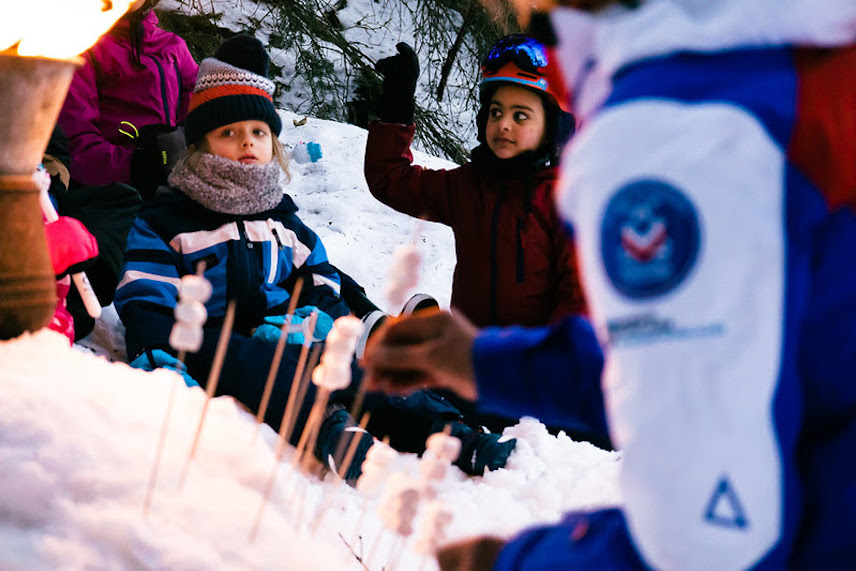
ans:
(306, 152)
(323, 324)
(151, 360)
(270, 330)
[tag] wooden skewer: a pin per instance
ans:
(153, 475)
(213, 379)
(343, 469)
(277, 355)
(309, 437)
(395, 554)
(296, 394)
(365, 507)
(352, 448)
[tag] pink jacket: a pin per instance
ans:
(110, 88)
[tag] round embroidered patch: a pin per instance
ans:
(649, 238)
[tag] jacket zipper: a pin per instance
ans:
(178, 82)
(521, 254)
(166, 113)
(248, 290)
(274, 252)
(494, 269)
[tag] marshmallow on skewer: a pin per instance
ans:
(403, 274)
(376, 467)
(186, 335)
(334, 370)
(399, 504)
(441, 450)
(432, 531)
(190, 313)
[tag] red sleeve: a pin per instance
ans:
(93, 159)
(823, 145)
(408, 188)
(69, 243)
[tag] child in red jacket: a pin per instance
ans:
(515, 265)
(70, 246)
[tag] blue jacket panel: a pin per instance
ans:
(252, 259)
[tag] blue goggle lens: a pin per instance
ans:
(527, 53)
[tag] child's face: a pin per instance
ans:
(515, 123)
(248, 142)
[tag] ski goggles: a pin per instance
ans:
(526, 53)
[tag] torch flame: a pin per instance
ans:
(56, 29)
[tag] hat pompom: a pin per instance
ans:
(246, 52)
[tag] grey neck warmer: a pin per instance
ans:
(227, 186)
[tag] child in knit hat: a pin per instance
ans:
(225, 207)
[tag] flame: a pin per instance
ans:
(56, 29)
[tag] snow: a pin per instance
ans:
(78, 433)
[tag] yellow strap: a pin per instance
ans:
(131, 125)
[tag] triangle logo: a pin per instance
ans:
(724, 507)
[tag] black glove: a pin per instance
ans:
(158, 147)
(399, 73)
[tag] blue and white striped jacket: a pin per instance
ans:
(254, 259)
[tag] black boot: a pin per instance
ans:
(337, 432)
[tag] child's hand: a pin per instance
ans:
(151, 360)
(270, 330)
(399, 73)
(70, 245)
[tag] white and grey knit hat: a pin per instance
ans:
(231, 87)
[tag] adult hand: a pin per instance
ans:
(431, 349)
(400, 72)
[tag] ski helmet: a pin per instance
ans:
(521, 59)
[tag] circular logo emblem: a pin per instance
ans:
(649, 238)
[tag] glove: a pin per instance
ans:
(270, 330)
(157, 149)
(158, 358)
(71, 246)
(306, 152)
(396, 104)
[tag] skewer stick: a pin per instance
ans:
(153, 475)
(395, 553)
(296, 394)
(312, 428)
(357, 406)
(365, 507)
(352, 448)
(213, 379)
(343, 469)
(298, 388)
(277, 355)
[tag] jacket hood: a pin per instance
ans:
(122, 29)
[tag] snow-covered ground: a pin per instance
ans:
(78, 434)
